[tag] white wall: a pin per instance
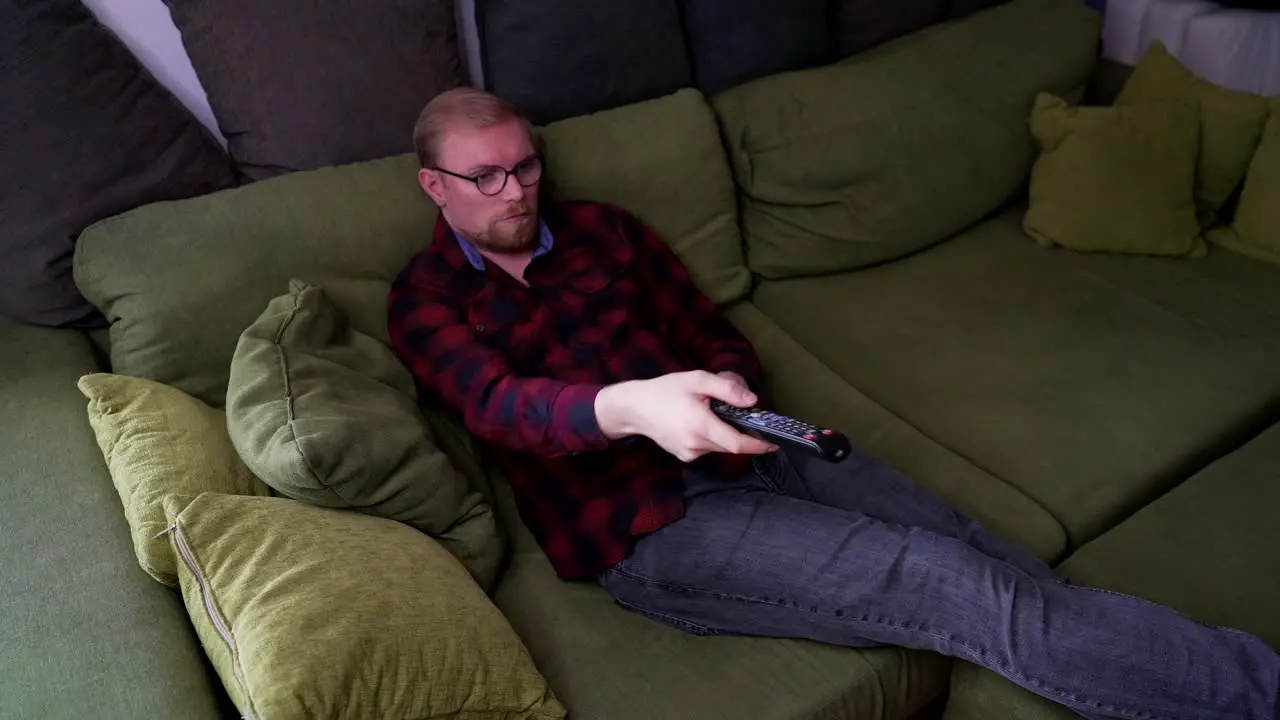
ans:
(147, 29)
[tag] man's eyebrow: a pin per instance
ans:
(475, 169)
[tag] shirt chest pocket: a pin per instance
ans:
(503, 322)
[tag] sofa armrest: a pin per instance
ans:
(86, 632)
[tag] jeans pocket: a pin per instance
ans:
(770, 470)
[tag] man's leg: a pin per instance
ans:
(747, 560)
(869, 486)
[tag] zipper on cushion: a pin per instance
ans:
(189, 559)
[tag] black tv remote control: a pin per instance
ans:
(830, 445)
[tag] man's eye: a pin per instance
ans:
(487, 176)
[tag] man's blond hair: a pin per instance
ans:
(465, 107)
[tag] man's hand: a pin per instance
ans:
(673, 411)
(738, 380)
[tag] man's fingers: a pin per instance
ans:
(726, 439)
(723, 388)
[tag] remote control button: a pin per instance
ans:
(827, 432)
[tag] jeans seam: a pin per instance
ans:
(975, 651)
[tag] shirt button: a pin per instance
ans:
(479, 328)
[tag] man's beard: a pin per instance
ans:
(503, 236)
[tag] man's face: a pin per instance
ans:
(505, 222)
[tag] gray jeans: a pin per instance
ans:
(856, 554)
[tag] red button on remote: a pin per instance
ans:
(810, 436)
(827, 432)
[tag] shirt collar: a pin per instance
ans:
(545, 243)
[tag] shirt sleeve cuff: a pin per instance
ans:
(573, 418)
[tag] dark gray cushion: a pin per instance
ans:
(86, 132)
(856, 25)
(733, 41)
(583, 56)
(297, 84)
(960, 8)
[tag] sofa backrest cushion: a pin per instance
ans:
(181, 281)
(733, 41)
(874, 158)
(856, 25)
(86, 132)
(575, 57)
(663, 161)
(306, 84)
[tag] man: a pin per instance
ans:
(570, 338)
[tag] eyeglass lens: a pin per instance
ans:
(493, 180)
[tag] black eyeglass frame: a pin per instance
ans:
(506, 177)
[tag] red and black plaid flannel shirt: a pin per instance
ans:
(609, 302)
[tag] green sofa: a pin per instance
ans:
(860, 223)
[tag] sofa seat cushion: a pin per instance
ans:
(1206, 549)
(798, 384)
(605, 663)
(86, 632)
(1091, 382)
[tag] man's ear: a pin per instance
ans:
(429, 181)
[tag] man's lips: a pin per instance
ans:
(517, 216)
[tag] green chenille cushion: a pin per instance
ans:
(1231, 123)
(1115, 179)
(1206, 549)
(1092, 382)
(157, 442)
(799, 384)
(310, 612)
(857, 163)
(663, 161)
(328, 415)
(1255, 231)
(180, 280)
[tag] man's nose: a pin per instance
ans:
(514, 191)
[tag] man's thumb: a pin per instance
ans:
(722, 388)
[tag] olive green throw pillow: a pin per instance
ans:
(1114, 179)
(1231, 123)
(160, 442)
(310, 612)
(327, 415)
(1255, 230)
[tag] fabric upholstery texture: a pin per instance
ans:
(631, 51)
(86, 132)
(1255, 227)
(1203, 550)
(733, 41)
(298, 85)
(857, 163)
(1115, 179)
(855, 25)
(1231, 123)
(798, 384)
(317, 612)
(1091, 382)
(676, 179)
(604, 662)
(305, 391)
(86, 632)
(220, 258)
(158, 442)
